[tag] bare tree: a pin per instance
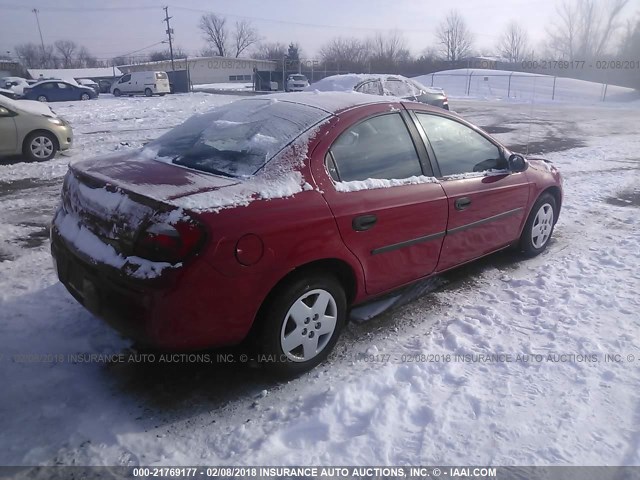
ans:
(390, 48)
(346, 50)
(85, 59)
(584, 29)
(630, 44)
(454, 36)
(159, 55)
(30, 54)
(244, 36)
(514, 42)
(66, 49)
(215, 32)
(270, 51)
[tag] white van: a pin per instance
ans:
(149, 83)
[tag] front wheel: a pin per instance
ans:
(85, 96)
(40, 146)
(42, 98)
(539, 227)
(116, 92)
(302, 322)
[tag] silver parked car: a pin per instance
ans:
(33, 129)
(383, 84)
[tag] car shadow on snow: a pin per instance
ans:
(213, 379)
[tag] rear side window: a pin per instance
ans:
(161, 75)
(379, 147)
(458, 148)
(401, 89)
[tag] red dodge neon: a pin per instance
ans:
(274, 215)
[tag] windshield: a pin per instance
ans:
(298, 77)
(236, 139)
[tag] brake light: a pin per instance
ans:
(172, 243)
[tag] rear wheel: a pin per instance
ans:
(42, 98)
(539, 227)
(117, 92)
(302, 322)
(148, 92)
(40, 146)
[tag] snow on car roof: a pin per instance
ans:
(347, 82)
(30, 106)
(330, 102)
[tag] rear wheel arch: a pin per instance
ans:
(337, 268)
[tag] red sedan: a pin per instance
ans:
(273, 216)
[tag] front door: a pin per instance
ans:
(486, 202)
(8, 132)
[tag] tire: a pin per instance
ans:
(285, 330)
(42, 98)
(85, 96)
(117, 92)
(147, 92)
(40, 146)
(539, 227)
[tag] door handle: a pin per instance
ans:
(363, 222)
(462, 203)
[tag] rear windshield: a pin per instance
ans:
(237, 139)
(161, 75)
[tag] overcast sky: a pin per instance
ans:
(117, 27)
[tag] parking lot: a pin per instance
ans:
(578, 298)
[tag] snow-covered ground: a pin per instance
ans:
(416, 385)
(522, 86)
(228, 87)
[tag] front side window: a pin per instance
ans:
(379, 147)
(126, 78)
(458, 148)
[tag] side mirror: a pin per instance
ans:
(517, 163)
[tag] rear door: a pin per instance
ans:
(486, 202)
(390, 211)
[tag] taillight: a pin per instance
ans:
(172, 243)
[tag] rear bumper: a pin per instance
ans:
(173, 312)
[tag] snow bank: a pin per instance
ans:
(504, 84)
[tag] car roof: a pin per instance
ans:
(349, 81)
(330, 102)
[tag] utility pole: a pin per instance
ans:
(169, 32)
(35, 10)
